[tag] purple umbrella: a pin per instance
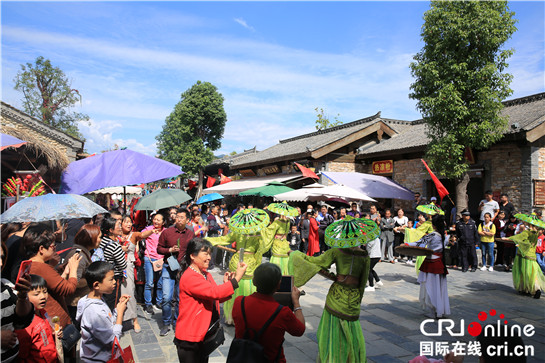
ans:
(374, 186)
(113, 169)
(10, 141)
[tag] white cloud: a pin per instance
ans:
(99, 137)
(244, 24)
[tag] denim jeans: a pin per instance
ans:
(170, 307)
(148, 287)
(540, 261)
(487, 248)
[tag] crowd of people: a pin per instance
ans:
(90, 274)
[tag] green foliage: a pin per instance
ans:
(194, 129)
(233, 153)
(48, 95)
(322, 120)
(461, 80)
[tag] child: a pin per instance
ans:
(36, 342)
(99, 327)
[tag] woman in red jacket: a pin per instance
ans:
(199, 316)
(313, 239)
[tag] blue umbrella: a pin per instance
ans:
(51, 207)
(209, 198)
(113, 169)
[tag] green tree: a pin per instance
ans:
(49, 96)
(322, 120)
(193, 130)
(460, 82)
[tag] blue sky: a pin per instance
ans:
(274, 62)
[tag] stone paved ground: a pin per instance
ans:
(390, 317)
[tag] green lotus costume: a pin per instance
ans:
(416, 234)
(340, 336)
(253, 252)
(527, 276)
(275, 240)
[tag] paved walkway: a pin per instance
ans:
(390, 317)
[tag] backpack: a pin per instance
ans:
(249, 350)
(98, 253)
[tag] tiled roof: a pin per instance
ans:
(526, 112)
(230, 159)
(304, 145)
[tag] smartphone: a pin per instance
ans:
(24, 269)
(241, 255)
(286, 284)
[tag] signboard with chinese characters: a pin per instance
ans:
(383, 167)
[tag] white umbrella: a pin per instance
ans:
(298, 195)
(339, 191)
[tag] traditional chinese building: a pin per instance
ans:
(393, 148)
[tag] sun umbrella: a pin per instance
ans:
(51, 207)
(113, 169)
(249, 221)
(268, 190)
(338, 191)
(430, 209)
(351, 232)
(531, 219)
(162, 198)
(298, 195)
(283, 209)
(10, 141)
(375, 186)
(209, 198)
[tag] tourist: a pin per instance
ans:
(153, 264)
(261, 305)
(294, 238)
(313, 247)
(85, 241)
(173, 242)
(40, 250)
(113, 253)
(375, 253)
(17, 312)
(200, 297)
(487, 231)
(304, 228)
(488, 205)
(387, 225)
(400, 223)
(506, 206)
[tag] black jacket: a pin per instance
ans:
(466, 233)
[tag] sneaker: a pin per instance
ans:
(148, 309)
(157, 308)
(491, 269)
(370, 288)
(410, 262)
(483, 268)
(474, 269)
(164, 330)
(379, 283)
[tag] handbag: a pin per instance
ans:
(213, 339)
(157, 265)
(120, 355)
(70, 337)
(173, 263)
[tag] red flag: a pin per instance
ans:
(191, 184)
(210, 182)
(438, 185)
(224, 179)
(307, 172)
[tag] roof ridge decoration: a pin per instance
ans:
(334, 128)
(523, 100)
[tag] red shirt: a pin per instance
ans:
(198, 296)
(169, 237)
(540, 247)
(259, 308)
(36, 342)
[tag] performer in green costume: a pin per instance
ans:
(340, 336)
(527, 275)
(246, 232)
(275, 235)
(275, 240)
